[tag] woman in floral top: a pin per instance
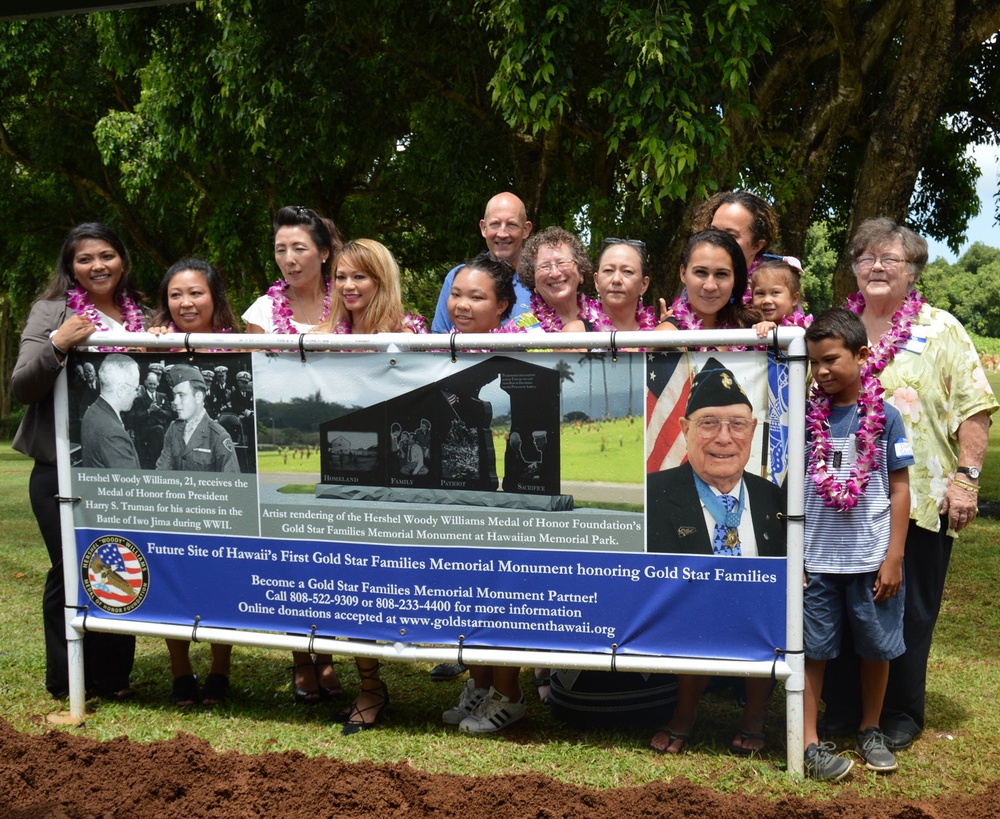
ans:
(931, 373)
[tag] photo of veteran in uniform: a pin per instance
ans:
(710, 504)
(194, 441)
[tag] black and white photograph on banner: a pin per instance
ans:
(163, 412)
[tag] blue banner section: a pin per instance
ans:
(678, 605)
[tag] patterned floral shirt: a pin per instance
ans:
(936, 382)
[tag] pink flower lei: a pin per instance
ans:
(281, 309)
(896, 337)
(548, 317)
(411, 321)
(644, 316)
(870, 407)
(78, 301)
(796, 319)
(686, 319)
(870, 403)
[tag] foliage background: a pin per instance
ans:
(186, 126)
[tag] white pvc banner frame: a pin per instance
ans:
(790, 669)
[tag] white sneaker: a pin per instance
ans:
(468, 702)
(494, 713)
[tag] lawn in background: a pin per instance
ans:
(957, 754)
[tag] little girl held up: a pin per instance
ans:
(777, 294)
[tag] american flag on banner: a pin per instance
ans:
(115, 574)
(668, 385)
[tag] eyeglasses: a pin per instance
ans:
(564, 266)
(710, 426)
(636, 243)
(888, 262)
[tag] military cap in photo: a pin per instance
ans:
(180, 373)
(715, 386)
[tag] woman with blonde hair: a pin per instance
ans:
(367, 298)
(368, 294)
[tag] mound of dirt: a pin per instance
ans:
(62, 776)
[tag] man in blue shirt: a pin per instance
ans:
(505, 227)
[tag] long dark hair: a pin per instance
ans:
(64, 279)
(323, 231)
(764, 222)
(222, 313)
(734, 313)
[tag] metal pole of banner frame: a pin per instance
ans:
(74, 635)
(468, 342)
(413, 653)
(789, 662)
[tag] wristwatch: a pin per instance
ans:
(972, 471)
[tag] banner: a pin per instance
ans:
(498, 499)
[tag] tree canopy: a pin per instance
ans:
(187, 126)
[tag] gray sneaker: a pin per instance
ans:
(448, 671)
(823, 764)
(872, 749)
(468, 702)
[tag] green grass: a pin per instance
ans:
(958, 753)
(989, 481)
(610, 451)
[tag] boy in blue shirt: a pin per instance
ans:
(857, 503)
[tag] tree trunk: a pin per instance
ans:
(903, 124)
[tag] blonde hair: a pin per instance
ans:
(384, 313)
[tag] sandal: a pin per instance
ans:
(738, 745)
(333, 691)
(540, 683)
(311, 696)
(357, 719)
(184, 691)
(215, 689)
(673, 736)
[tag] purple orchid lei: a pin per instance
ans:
(687, 319)
(644, 316)
(548, 317)
(896, 337)
(281, 309)
(79, 302)
(870, 407)
(411, 321)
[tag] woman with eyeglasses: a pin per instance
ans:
(931, 373)
(305, 249)
(621, 279)
(553, 267)
(90, 292)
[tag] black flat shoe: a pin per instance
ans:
(185, 691)
(215, 690)
(332, 692)
(312, 696)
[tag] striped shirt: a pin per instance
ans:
(855, 541)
